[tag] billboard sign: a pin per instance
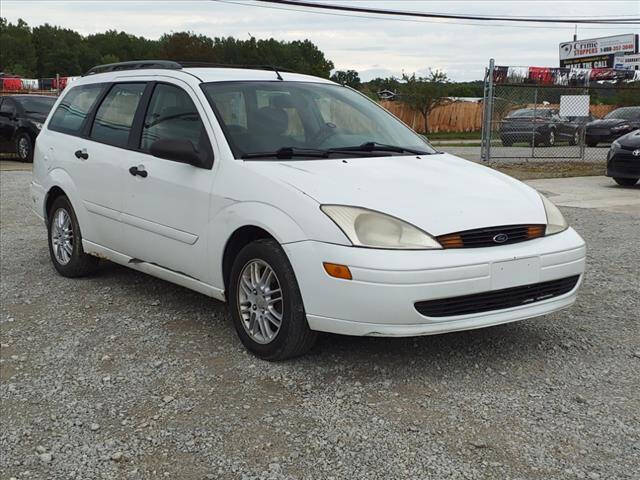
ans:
(597, 52)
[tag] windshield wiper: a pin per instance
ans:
(378, 147)
(287, 153)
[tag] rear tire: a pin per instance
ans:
(626, 182)
(24, 147)
(65, 241)
(550, 141)
(575, 139)
(252, 308)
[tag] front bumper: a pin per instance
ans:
(606, 136)
(386, 284)
(622, 164)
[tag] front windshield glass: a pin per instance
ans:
(626, 113)
(37, 104)
(260, 117)
(529, 112)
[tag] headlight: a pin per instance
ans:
(555, 221)
(620, 127)
(368, 228)
(38, 125)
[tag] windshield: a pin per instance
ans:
(260, 117)
(528, 112)
(37, 104)
(627, 113)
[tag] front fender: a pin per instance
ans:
(277, 223)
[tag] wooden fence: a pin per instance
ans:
(454, 117)
(462, 116)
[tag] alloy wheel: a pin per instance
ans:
(62, 236)
(23, 148)
(260, 301)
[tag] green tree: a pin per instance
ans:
(349, 78)
(425, 93)
(17, 52)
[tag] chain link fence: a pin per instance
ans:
(552, 114)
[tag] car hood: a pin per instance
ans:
(607, 123)
(438, 193)
(630, 141)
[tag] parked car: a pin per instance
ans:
(300, 202)
(21, 118)
(623, 159)
(542, 126)
(615, 124)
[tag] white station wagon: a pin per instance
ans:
(300, 202)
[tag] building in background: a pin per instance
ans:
(605, 52)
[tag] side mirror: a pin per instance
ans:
(179, 150)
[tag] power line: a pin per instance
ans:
(410, 20)
(402, 13)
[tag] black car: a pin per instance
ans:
(623, 160)
(542, 126)
(616, 123)
(21, 118)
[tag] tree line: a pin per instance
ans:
(47, 50)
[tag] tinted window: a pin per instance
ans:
(529, 112)
(626, 113)
(37, 104)
(115, 115)
(72, 111)
(172, 115)
(7, 106)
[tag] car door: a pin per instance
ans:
(167, 202)
(8, 123)
(95, 165)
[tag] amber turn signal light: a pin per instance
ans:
(337, 271)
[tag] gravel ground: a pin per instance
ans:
(124, 376)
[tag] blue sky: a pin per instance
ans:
(373, 46)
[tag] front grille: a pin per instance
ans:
(497, 299)
(491, 236)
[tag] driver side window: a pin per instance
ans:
(171, 115)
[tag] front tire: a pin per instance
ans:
(65, 241)
(24, 147)
(266, 304)
(626, 182)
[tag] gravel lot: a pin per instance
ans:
(125, 376)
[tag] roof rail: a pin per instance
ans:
(134, 65)
(172, 65)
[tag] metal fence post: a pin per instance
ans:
(488, 113)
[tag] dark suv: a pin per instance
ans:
(21, 118)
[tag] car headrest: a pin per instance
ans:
(272, 121)
(282, 101)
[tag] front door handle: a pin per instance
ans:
(139, 171)
(82, 154)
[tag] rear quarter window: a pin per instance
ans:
(72, 111)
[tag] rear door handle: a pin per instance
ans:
(82, 154)
(139, 171)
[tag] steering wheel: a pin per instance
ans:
(327, 131)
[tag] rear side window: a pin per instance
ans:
(72, 111)
(172, 115)
(115, 115)
(7, 108)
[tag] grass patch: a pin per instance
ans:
(454, 135)
(533, 170)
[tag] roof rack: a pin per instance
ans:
(172, 65)
(134, 65)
